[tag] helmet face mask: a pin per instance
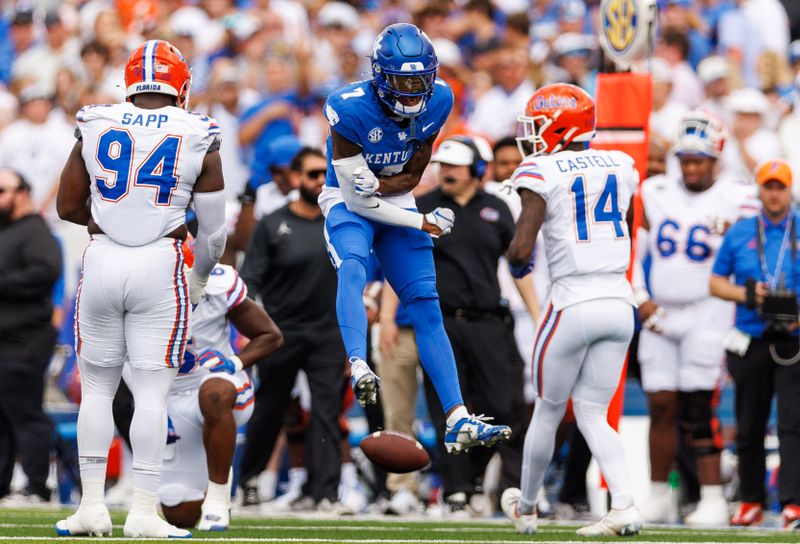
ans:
(404, 68)
(529, 134)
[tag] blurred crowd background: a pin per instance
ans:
(263, 69)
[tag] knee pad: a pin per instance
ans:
(424, 289)
(696, 417)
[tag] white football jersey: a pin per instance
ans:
(224, 292)
(585, 234)
(142, 165)
(686, 230)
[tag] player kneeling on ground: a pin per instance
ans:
(212, 397)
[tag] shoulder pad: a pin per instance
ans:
(225, 282)
(208, 123)
(93, 111)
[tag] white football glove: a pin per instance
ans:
(196, 288)
(442, 218)
(365, 184)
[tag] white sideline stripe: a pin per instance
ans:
(367, 541)
(751, 532)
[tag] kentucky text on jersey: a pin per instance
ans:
(144, 120)
(589, 161)
(389, 158)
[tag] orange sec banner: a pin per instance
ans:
(623, 111)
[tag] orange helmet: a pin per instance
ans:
(556, 116)
(188, 251)
(157, 66)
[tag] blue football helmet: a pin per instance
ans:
(404, 67)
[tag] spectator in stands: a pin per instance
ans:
(715, 74)
(39, 64)
(750, 143)
(30, 264)
(666, 111)
(263, 199)
(789, 135)
(37, 145)
(680, 14)
(495, 113)
(741, 43)
(469, 294)
(21, 34)
(763, 348)
(270, 118)
(517, 31)
(573, 54)
(224, 106)
(482, 35)
(287, 266)
(673, 46)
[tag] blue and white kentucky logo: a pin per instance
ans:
(331, 114)
(375, 135)
(402, 136)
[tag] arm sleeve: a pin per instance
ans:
(637, 274)
(723, 264)
(256, 259)
(36, 271)
(211, 231)
(371, 207)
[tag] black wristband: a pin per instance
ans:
(750, 293)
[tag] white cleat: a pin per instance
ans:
(364, 381)
(151, 526)
(214, 517)
(626, 522)
(91, 520)
(659, 508)
(525, 524)
(710, 512)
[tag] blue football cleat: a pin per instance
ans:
(474, 431)
(365, 382)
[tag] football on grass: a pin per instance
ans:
(394, 452)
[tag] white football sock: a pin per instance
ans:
(96, 422)
(150, 390)
(606, 446)
(538, 449)
(457, 415)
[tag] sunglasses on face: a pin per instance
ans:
(315, 174)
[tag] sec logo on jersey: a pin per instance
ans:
(375, 135)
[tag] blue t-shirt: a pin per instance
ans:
(738, 257)
(259, 168)
(387, 143)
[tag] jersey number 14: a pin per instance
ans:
(158, 170)
(605, 210)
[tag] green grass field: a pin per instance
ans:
(36, 526)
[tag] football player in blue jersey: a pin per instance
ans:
(381, 138)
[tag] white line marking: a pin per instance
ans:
(324, 540)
